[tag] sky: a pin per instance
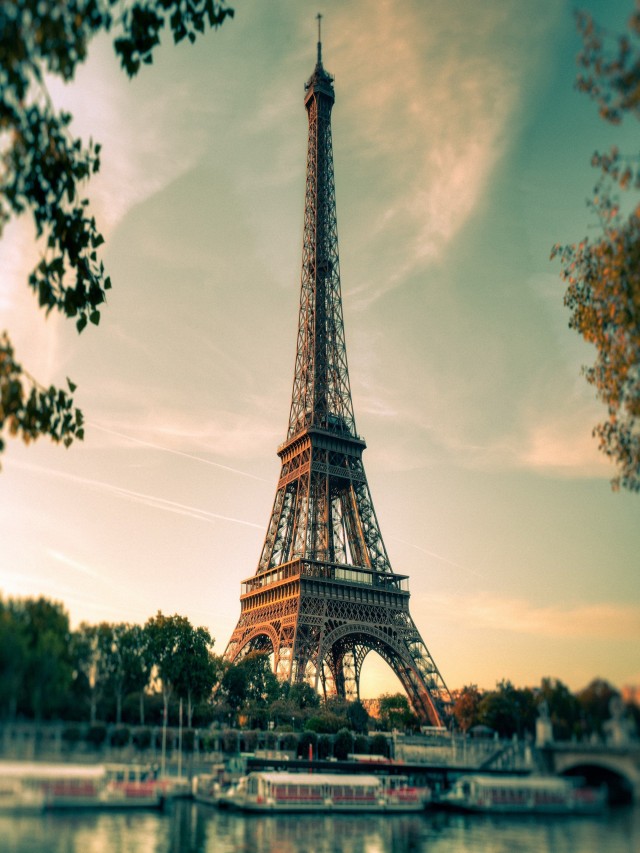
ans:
(462, 155)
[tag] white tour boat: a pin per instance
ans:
(278, 791)
(73, 786)
(523, 795)
(207, 789)
(16, 797)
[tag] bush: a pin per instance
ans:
(209, 743)
(290, 742)
(307, 739)
(248, 742)
(343, 744)
(72, 734)
(325, 747)
(270, 740)
(142, 738)
(120, 737)
(361, 745)
(231, 741)
(97, 735)
(379, 746)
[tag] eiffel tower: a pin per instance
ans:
(324, 594)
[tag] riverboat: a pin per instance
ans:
(94, 786)
(523, 795)
(132, 786)
(277, 791)
(207, 789)
(18, 798)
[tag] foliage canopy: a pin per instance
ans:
(43, 168)
(603, 275)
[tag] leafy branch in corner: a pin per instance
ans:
(43, 168)
(603, 275)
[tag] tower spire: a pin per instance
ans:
(319, 17)
(324, 594)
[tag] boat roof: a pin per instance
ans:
(516, 781)
(45, 770)
(284, 777)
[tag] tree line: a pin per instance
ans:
(143, 674)
(510, 710)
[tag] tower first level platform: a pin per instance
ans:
(321, 619)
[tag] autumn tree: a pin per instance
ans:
(603, 275)
(44, 168)
(465, 706)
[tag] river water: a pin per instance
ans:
(191, 828)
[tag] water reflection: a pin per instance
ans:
(192, 828)
(324, 834)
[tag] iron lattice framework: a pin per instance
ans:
(324, 594)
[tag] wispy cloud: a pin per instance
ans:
(436, 112)
(138, 134)
(73, 564)
(164, 448)
(605, 621)
(438, 557)
(153, 501)
(562, 445)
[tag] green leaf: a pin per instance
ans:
(95, 317)
(72, 386)
(81, 323)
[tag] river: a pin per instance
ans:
(191, 828)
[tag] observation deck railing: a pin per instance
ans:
(338, 572)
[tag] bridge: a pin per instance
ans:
(615, 765)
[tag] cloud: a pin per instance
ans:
(167, 435)
(152, 501)
(548, 429)
(430, 115)
(136, 124)
(604, 621)
(562, 445)
(73, 564)
(438, 557)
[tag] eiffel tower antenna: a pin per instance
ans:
(324, 594)
(319, 17)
